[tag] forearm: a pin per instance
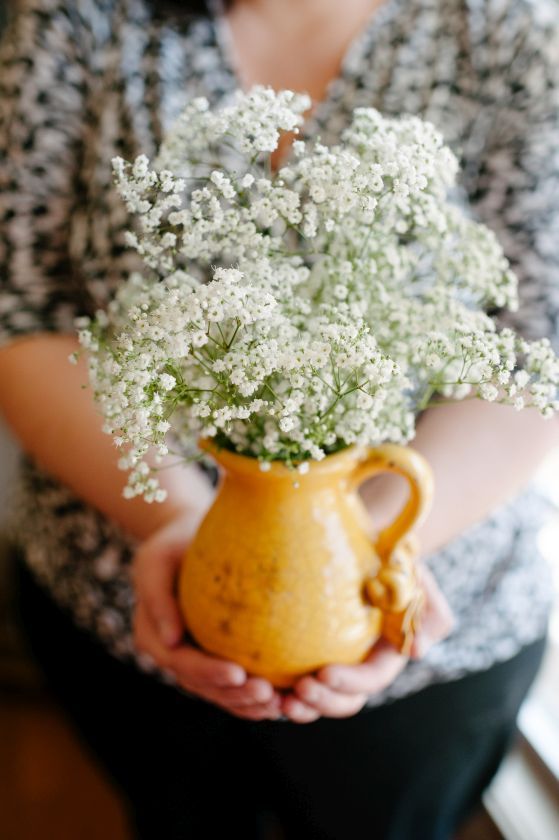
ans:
(56, 421)
(481, 454)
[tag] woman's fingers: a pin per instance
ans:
(260, 711)
(245, 706)
(255, 690)
(219, 681)
(341, 690)
(200, 669)
(155, 571)
(327, 701)
(297, 711)
(186, 662)
(375, 673)
(437, 620)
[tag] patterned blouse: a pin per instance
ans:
(83, 81)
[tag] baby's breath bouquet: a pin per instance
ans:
(291, 314)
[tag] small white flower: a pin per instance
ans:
(167, 381)
(488, 392)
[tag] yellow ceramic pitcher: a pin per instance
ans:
(284, 575)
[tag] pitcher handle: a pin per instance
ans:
(394, 587)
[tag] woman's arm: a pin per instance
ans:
(481, 454)
(54, 417)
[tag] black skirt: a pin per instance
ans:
(411, 769)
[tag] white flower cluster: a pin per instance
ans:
(291, 314)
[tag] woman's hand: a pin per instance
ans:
(159, 630)
(342, 690)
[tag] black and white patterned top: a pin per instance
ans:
(86, 80)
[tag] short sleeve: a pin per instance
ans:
(42, 93)
(516, 192)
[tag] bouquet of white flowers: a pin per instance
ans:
(291, 314)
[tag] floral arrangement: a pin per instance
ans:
(291, 314)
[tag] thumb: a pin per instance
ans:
(155, 573)
(437, 621)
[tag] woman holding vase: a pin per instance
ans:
(393, 747)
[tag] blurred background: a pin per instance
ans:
(50, 788)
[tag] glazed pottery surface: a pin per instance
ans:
(284, 574)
